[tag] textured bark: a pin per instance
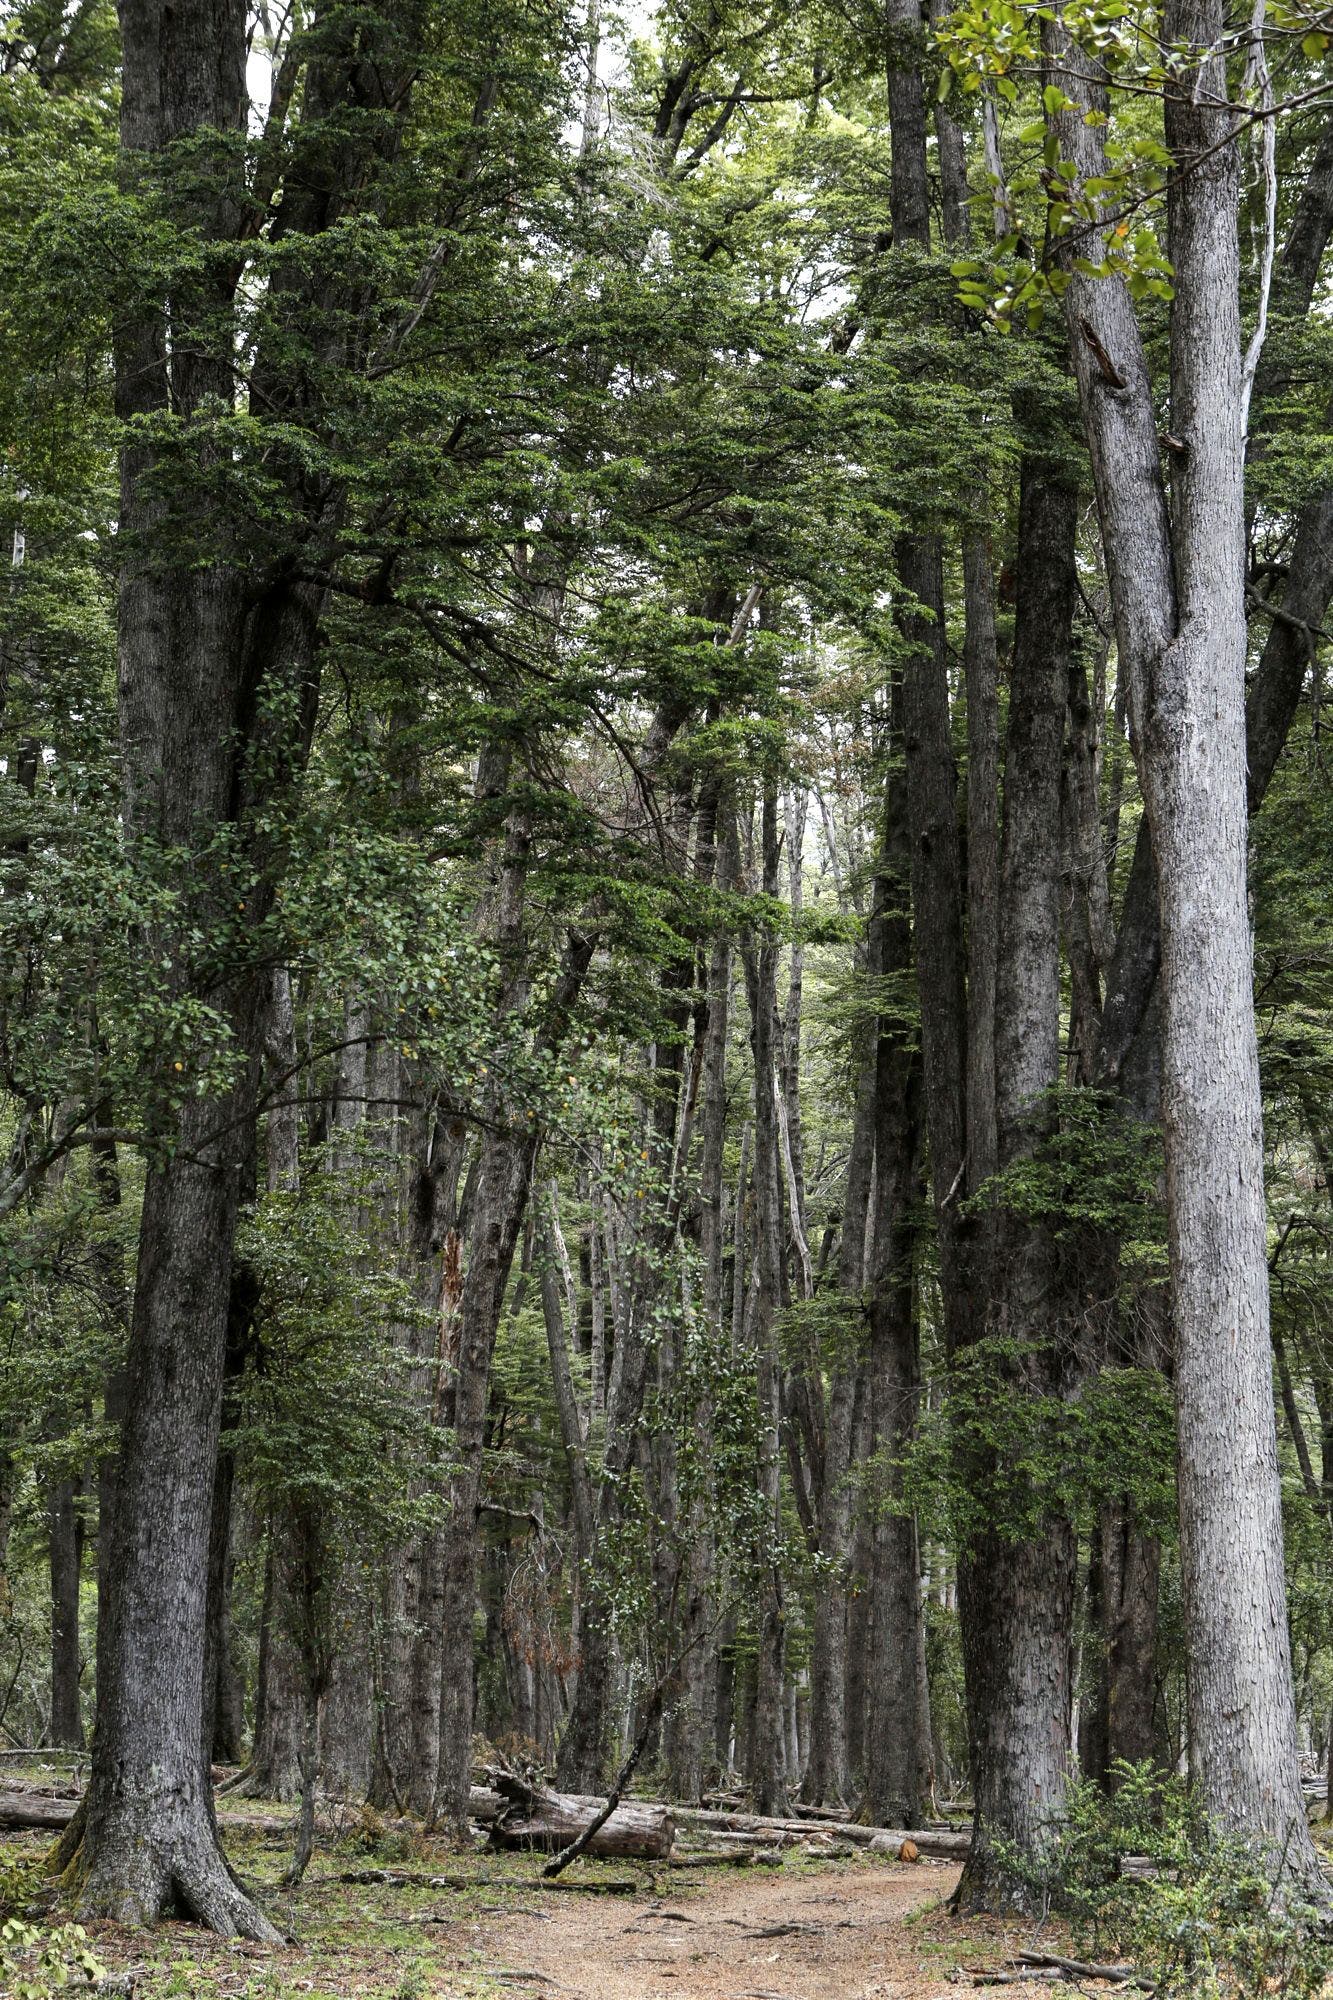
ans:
(981, 677)
(860, 1669)
(64, 1527)
(1085, 900)
(549, 1821)
(827, 1778)
(149, 1837)
(1118, 1722)
(223, 1683)
(690, 1731)
(224, 1695)
(768, 1767)
(1123, 1722)
(898, 1760)
(498, 1202)
(951, 151)
(408, 1663)
(275, 1770)
(346, 1732)
(202, 646)
(1016, 1594)
(113, 1307)
(1177, 587)
(909, 189)
(501, 1196)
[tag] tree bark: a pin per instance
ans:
(549, 1821)
(1016, 1589)
(898, 1759)
(205, 652)
(499, 1201)
(1177, 585)
(275, 1762)
(768, 1773)
(64, 1525)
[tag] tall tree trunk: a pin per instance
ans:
(1017, 1589)
(768, 1774)
(500, 1198)
(827, 1775)
(898, 1759)
(149, 1837)
(690, 1731)
(275, 1762)
(1123, 1723)
(214, 665)
(1177, 582)
(498, 1205)
(981, 676)
(64, 1525)
(224, 1683)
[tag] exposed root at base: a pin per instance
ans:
(142, 1883)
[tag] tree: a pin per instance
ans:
(1177, 581)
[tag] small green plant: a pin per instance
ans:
(1201, 1912)
(414, 1984)
(20, 1880)
(35, 1964)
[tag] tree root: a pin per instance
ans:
(136, 1881)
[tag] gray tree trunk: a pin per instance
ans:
(1178, 590)
(768, 1764)
(64, 1524)
(199, 644)
(897, 1738)
(1016, 1593)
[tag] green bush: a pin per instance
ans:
(1212, 1916)
(35, 1964)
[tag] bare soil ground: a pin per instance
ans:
(840, 1932)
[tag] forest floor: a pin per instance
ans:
(399, 1917)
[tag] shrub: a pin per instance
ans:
(35, 1964)
(1212, 1915)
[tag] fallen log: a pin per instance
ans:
(22, 1811)
(936, 1841)
(584, 1885)
(742, 1857)
(550, 1821)
(1082, 1968)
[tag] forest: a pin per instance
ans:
(666, 997)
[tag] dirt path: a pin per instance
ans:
(849, 1934)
